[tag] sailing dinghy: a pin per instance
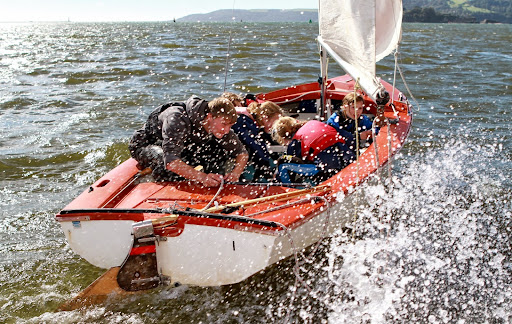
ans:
(182, 233)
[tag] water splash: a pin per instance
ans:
(435, 248)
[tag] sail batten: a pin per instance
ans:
(359, 33)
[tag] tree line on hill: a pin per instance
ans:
(467, 11)
(428, 11)
(430, 15)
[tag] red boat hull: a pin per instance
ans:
(213, 248)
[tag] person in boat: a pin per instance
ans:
(253, 128)
(179, 136)
(235, 99)
(238, 101)
(344, 121)
(314, 149)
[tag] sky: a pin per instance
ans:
(130, 10)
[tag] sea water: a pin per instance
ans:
(432, 236)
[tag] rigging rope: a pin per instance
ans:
(356, 87)
(215, 196)
(397, 66)
(229, 48)
(374, 141)
(306, 259)
(388, 124)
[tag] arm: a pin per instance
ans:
(334, 121)
(241, 162)
(365, 135)
(181, 168)
(366, 129)
(235, 149)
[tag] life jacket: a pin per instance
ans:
(314, 137)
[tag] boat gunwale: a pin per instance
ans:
(223, 217)
(233, 221)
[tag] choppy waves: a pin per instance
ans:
(434, 248)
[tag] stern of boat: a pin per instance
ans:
(103, 243)
(101, 236)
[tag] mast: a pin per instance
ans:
(325, 110)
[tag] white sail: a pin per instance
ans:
(359, 33)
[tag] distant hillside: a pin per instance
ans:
(471, 11)
(458, 10)
(256, 15)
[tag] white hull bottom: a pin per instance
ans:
(103, 243)
(204, 255)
